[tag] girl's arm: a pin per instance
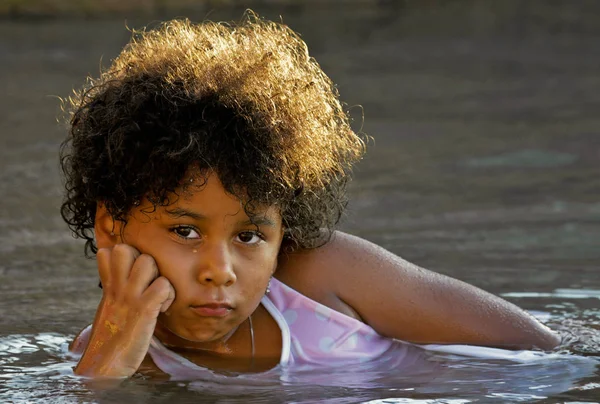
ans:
(401, 300)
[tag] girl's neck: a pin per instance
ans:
(225, 346)
(232, 353)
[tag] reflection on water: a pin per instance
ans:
(484, 167)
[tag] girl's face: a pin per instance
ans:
(217, 260)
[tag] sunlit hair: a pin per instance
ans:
(243, 100)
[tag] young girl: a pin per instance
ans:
(207, 169)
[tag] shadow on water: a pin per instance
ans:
(484, 166)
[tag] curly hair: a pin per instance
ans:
(243, 100)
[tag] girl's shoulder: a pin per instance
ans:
(317, 272)
(315, 269)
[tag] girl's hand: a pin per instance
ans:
(134, 294)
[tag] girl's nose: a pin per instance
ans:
(216, 267)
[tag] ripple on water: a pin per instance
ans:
(36, 368)
(575, 315)
(559, 293)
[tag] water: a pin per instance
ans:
(484, 167)
(37, 368)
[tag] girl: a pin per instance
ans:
(207, 169)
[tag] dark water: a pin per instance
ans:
(485, 166)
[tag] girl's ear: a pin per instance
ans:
(105, 228)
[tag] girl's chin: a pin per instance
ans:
(193, 333)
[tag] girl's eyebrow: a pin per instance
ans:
(181, 212)
(258, 221)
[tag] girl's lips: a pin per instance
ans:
(212, 310)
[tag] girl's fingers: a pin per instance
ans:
(127, 273)
(123, 257)
(170, 298)
(160, 294)
(103, 260)
(142, 274)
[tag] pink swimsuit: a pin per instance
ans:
(314, 334)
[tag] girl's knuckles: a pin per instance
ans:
(121, 249)
(145, 260)
(124, 251)
(140, 272)
(103, 254)
(162, 284)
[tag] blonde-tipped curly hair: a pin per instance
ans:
(244, 100)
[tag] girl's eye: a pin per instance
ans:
(249, 237)
(186, 232)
